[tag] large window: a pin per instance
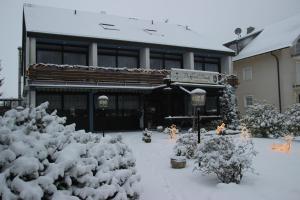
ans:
(160, 60)
(109, 57)
(211, 105)
(55, 100)
(62, 54)
(207, 64)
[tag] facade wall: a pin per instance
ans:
(264, 83)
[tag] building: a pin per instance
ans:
(146, 68)
(268, 65)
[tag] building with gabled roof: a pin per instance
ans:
(268, 64)
(146, 68)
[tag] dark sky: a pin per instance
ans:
(215, 18)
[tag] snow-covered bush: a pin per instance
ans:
(291, 119)
(159, 128)
(147, 134)
(41, 158)
(186, 145)
(226, 156)
(228, 107)
(263, 120)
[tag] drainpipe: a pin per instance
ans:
(278, 80)
(19, 76)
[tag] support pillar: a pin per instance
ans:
(32, 98)
(32, 51)
(93, 54)
(91, 111)
(188, 60)
(226, 65)
(145, 58)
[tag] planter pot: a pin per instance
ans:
(178, 162)
(147, 140)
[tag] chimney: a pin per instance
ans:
(250, 29)
(75, 12)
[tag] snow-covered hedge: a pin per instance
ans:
(263, 120)
(291, 119)
(41, 158)
(226, 156)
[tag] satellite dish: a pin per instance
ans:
(238, 31)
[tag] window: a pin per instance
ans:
(211, 105)
(110, 57)
(248, 100)
(62, 54)
(160, 60)
(75, 101)
(247, 73)
(55, 100)
(207, 64)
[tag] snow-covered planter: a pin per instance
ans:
(147, 135)
(160, 128)
(178, 162)
(263, 120)
(291, 119)
(41, 158)
(186, 145)
(226, 156)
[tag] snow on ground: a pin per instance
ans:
(279, 173)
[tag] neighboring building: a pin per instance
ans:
(146, 68)
(268, 65)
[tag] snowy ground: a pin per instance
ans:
(279, 173)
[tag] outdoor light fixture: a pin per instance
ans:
(103, 103)
(198, 97)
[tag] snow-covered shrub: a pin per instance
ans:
(226, 156)
(159, 128)
(186, 145)
(228, 107)
(263, 120)
(291, 119)
(41, 158)
(147, 134)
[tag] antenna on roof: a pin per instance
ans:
(75, 12)
(238, 32)
(152, 22)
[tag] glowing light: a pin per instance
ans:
(284, 148)
(220, 129)
(245, 134)
(172, 131)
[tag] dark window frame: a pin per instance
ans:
(208, 60)
(164, 57)
(62, 50)
(116, 52)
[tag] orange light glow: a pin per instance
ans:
(173, 131)
(284, 148)
(220, 129)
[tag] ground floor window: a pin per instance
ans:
(248, 100)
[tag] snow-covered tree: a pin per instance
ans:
(291, 119)
(228, 107)
(41, 158)
(263, 120)
(226, 156)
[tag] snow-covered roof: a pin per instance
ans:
(42, 19)
(273, 37)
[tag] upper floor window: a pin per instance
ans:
(247, 73)
(207, 64)
(160, 60)
(62, 54)
(110, 57)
